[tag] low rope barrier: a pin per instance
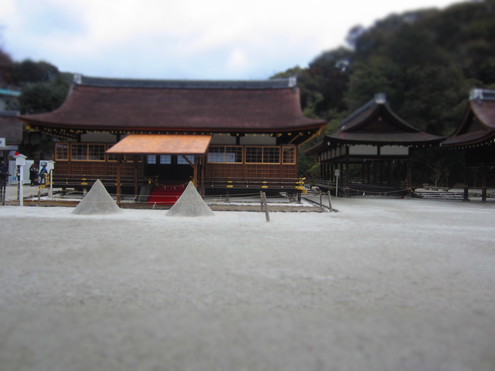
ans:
(384, 193)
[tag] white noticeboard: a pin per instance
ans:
(2, 142)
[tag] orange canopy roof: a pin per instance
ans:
(161, 144)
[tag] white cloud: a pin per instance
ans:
(237, 61)
(166, 36)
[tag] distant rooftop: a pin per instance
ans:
(11, 93)
(9, 113)
(280, 83)
(482, 94)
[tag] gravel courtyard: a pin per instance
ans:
(379, 285)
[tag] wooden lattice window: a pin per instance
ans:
(79, 152)
(289, 155)
(87, 152)
(222, 154)
(263, 155)
(61, 151)
(96, 152)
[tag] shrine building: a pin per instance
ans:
(475, 136)
(222, 135)
(370, 151)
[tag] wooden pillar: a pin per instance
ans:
(409, 176)
(203, 171)
(195, 171)
(483, 183)
(347, 175)
(119, 170)
(389, 171)
(368, 163)
(381, 173)
(466, 186)
(136, 186)
(363, 172)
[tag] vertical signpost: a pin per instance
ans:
(50, 167)
(20, 161)
(3, 175)
(337, 174)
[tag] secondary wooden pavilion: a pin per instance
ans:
(475, 135)
(371, 150)
(221, 134)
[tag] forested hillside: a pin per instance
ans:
(426, 61)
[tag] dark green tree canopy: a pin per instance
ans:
(426, 61)
(29, 71)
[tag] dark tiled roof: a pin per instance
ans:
(478, 125)
(281, 83)
(106, 104)
(9, 113)
(387, 138)
(375, 122)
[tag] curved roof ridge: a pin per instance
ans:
(279, 83)
(363, 112)
(481, 95)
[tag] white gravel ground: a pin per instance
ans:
(380, 285)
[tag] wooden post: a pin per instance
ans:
(264, 202)
(466, 186)
(330, 201)
(321, 200)
(347, 175)
(483, 184)
(195, 171)
(136, 186)
(380, 182)
(119, 166)
(409, 176)
(202, 172)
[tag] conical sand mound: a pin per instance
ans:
(190, 203)
(97, 201)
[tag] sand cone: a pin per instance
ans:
(97, 201)
(190, 203)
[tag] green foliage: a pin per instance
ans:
(372, 78)
(5, 68)
(41, 97)
(309, 167)
(425, 61)
(29, 71)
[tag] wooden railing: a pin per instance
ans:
(291, 184)
(83, 181)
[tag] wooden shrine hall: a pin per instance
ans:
(475, 136)
(222, 135)
(370, 151)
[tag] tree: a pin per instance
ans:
(41, 97)
(6, 65)
(370, 79)
(29, 71)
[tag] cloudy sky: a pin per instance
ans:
(185, 39)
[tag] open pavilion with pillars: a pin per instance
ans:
(475, 136)
(371, 149)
